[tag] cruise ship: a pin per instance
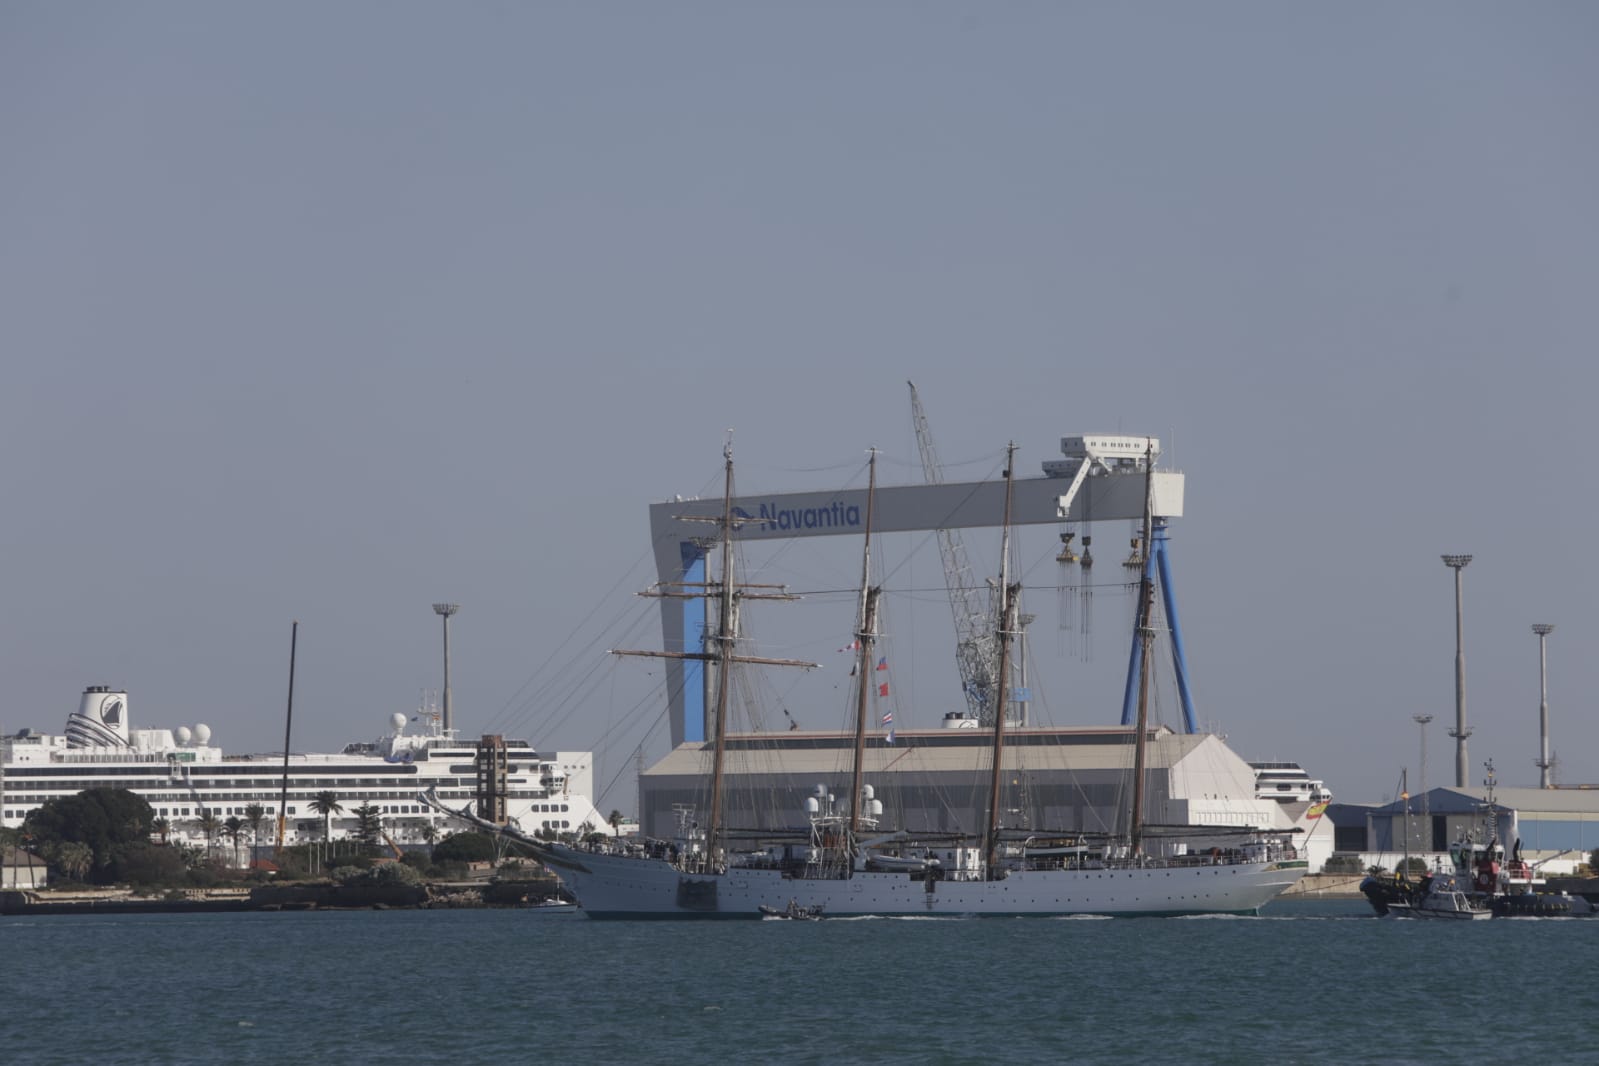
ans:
(183, 774)
(1287, 782)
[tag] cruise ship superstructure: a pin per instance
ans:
(183, 774)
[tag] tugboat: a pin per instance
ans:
(1521, 894)
(1480, 885)
(1454, 894)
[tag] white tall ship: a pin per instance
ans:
(182, 774)
(840, 862)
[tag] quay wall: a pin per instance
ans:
(1326, 886)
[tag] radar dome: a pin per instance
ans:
(397, 721)
(183, 734)
(202, 733)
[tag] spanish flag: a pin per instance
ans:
(1316, 810)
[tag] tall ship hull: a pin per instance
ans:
(616, 886)
(663, 881)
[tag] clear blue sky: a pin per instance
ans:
(328, 312)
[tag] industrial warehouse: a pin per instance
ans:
(1053, 780)
(1556, 828)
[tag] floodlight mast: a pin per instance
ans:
(1458, 563)
(1544, 762)
(445, 610)
(1421, 721)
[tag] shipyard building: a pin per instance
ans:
(1052, 780)
(1556, 826)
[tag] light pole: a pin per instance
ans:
(444, 610)
(1422, 720)
(1458, 563)
(1543, 629)
(1023, 621)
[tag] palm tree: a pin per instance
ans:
(616, 822)
(209, 824)
(74, 859)
(327, 805)
(162, 826)
(430, 834)
(255, 814)
(233, 828)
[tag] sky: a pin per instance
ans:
(326, 313)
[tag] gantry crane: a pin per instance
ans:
(1066, 493)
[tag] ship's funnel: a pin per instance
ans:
(101, 720)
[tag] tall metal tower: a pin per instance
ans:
(445, 610)
(1422, 720)
(1544, 763)
(1458, 563)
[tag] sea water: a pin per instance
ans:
(1304, 982)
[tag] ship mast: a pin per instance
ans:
(1146, 637)
(1007, 610)
(288, 724)
(865, 636)
(724, 661)
(725, 640)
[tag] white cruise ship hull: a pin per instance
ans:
(617, 886)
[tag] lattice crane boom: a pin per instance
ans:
(976, 645)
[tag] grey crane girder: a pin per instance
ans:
(675, 525)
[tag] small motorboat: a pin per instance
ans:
(554, 908)
(793, 911)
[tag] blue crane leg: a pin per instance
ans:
(1179, 659)
(693, 725)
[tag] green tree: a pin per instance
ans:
(101, 819)
(388, 873)
(616, 822)
(430, 834)
(162, 826)
(73, 858)
(149, 864)
(233, 829)
(368, 825)
(465, 847)
(327, 805)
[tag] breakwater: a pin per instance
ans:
(298, 896)
(1326, 886)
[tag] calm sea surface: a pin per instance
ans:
(1304, 983)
